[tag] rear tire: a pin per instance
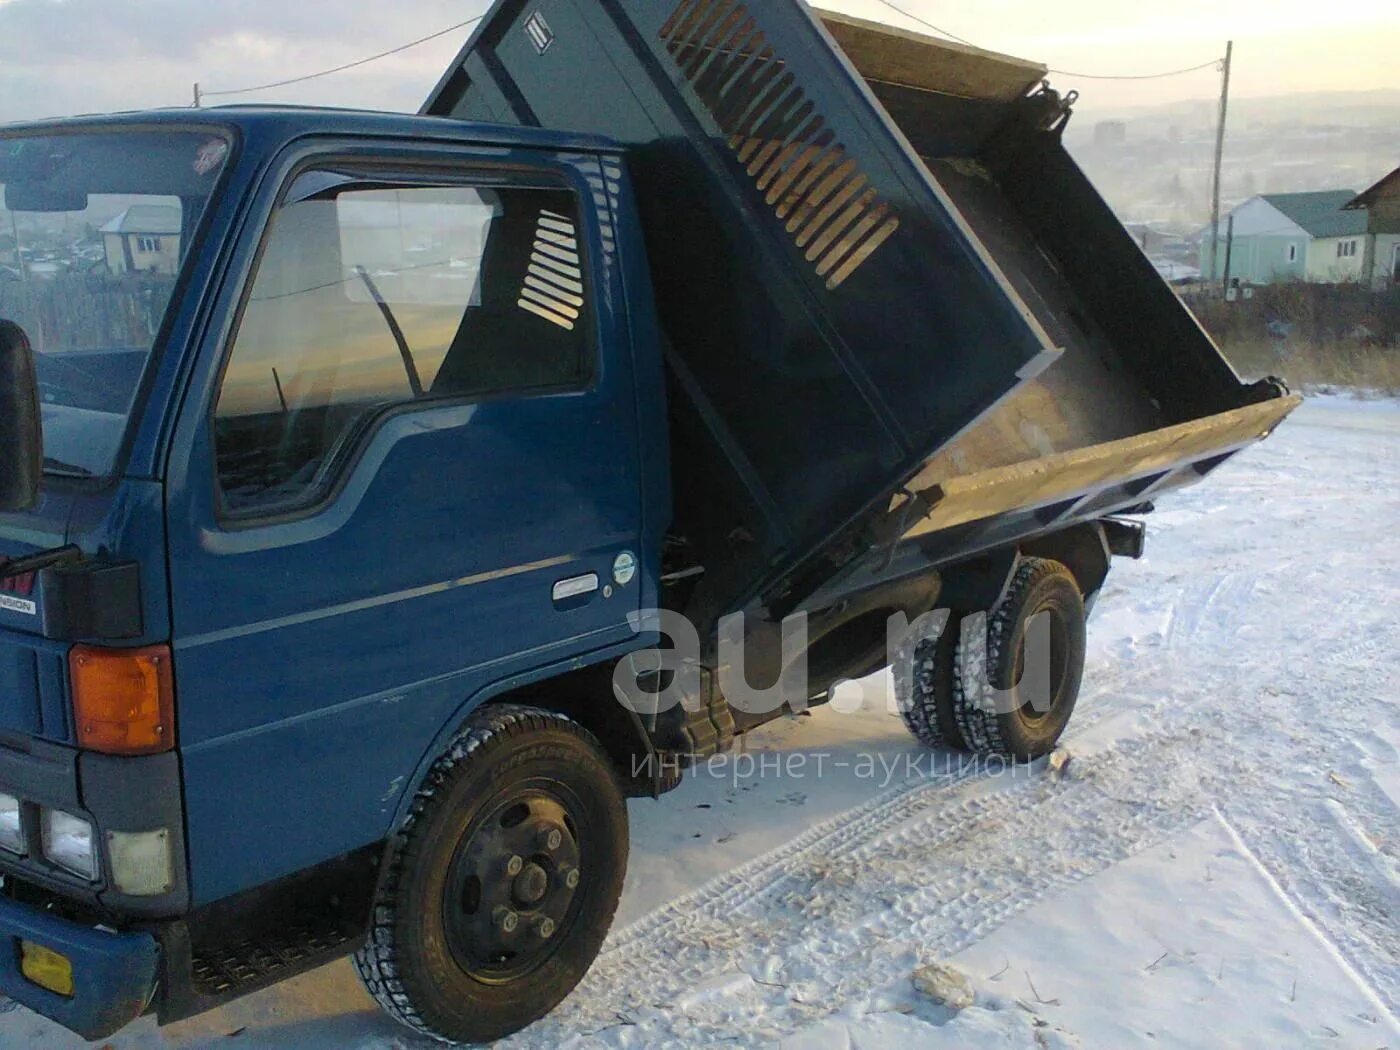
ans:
(1001, 720)
(923, 685)
(502, 882)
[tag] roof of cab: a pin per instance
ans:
(294, 121)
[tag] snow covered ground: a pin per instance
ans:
(1219, 864)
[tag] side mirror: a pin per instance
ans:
(21, 426)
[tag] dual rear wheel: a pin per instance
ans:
(1002, 682)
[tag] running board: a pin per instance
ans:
(262, 937)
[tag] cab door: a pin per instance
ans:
(407, 473)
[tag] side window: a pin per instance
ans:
(370, 295)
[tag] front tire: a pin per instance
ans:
(503, 881)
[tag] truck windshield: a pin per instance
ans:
(94, 230)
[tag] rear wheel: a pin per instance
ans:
(923, 685)
(502, 882)
(999, 704)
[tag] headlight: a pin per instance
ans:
(68, 843)
(11, 830)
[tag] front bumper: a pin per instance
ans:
(114, 974)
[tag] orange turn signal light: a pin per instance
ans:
(123, 699)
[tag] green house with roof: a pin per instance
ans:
(1294, 237)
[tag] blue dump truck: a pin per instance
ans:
(352, 466)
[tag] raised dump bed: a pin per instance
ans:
(896, 308)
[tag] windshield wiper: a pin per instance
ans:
(57, 466)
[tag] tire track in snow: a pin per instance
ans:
(1307, 915)
(825, 922)
(1202, 609)
(1327, 843)
(862, 822)
(1332, 874)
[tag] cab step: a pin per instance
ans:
(244, 944)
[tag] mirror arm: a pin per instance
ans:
(40, 560)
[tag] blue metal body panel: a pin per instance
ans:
(320, 660)
(114, 974)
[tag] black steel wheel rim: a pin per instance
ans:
(1028, 713)
(515, 882)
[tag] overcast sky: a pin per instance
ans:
(60, 57)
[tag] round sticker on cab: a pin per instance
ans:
(210, 156)
(624, 568)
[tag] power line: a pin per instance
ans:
(1058, 72)
(927, 24)
(1212, 64)
(348, 65)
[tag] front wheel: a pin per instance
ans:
(502, 882)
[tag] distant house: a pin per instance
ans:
(1152, 239)
(1175, 257)
(1294, 237)
(1381, 205)
(143, 239)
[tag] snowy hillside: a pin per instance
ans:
(1218, 864)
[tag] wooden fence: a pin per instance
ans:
(87, 311)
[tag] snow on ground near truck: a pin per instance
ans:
(1218, 864)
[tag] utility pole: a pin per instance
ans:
(1229, 254)
(19, 258)
(281, 396)
(1219, 159)
(198, 96)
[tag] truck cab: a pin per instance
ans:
(372, 431)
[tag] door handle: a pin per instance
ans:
(575, 587)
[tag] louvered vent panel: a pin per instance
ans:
(804, 174)
(553, 286)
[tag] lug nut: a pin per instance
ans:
(514, 866)
(507, 920)
(546, 928)
(571, 879)
(553, 839)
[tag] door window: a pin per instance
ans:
(370, 295)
